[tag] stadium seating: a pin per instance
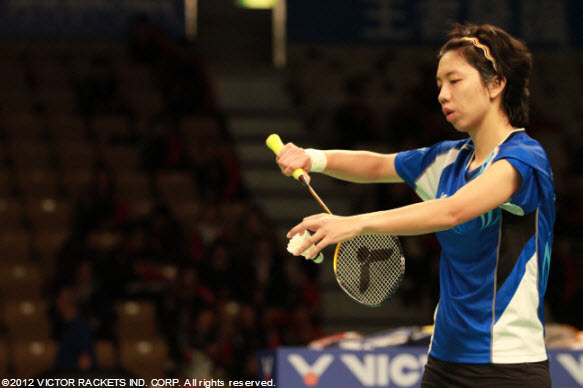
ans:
(48, 152)
(4, 360)
(107, 355)
(136, 320)
(21, 281)
(32, 357)
(145, 358)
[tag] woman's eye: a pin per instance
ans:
(455, 81)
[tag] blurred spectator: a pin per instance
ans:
(148, 43)
(145, 245)
(121, 265)
(184, 81)
(222, 349)
(270, 285)
(255, 224)
(274, 320)
(211, 225)
(165, 241)
(100, 91)
(570, 205)
(94, 301)
(75, 338)
(248, 340)
(305, 290)
(565, 291)
(183, 301)
(165, 146)
(420, 275)
(355, 120)
(73, 249)
(221, 274)
(416, 120)
(196, 246)
(202, 331)
(302, 329)
(99, 205)
(218, 173)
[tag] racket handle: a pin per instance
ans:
(275, 144)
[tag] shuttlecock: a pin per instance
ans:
(298, 240)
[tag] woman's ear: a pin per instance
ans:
(496, 87)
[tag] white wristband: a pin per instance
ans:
(318, 158)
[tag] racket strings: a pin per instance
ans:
(370, 268)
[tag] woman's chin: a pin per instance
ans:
(459, 128)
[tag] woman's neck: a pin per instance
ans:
(489, 136)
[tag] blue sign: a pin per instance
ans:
(551, 23)
(387, 368)
(93, 19)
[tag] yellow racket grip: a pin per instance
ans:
(275, 144)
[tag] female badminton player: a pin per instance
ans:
(490, 201)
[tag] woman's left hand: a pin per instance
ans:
(328, 229)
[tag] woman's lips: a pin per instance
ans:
(448, 113)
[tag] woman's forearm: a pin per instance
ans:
(420, 218)
(361, 166)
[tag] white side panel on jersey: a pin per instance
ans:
(434, 322)
(518, 334)
(514, 209)
(427, 183)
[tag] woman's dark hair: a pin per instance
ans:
(513, 62)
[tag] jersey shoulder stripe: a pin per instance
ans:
(422, 168)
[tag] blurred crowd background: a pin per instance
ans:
(129, 239)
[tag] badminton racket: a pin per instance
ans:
(369, 268)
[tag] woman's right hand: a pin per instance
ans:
(292, 157)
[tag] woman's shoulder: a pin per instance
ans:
(521, 142)
(528, 150)
(447, 145)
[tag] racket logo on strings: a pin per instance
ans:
(366, 257)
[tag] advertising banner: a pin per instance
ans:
(85, 19)
(547, 23)
(292, 367)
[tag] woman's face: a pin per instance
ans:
(463, 96)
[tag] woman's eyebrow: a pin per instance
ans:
(447, 74)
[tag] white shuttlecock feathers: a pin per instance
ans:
(298, 240)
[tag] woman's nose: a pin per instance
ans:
(443, 95)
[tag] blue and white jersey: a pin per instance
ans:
(494, 268)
